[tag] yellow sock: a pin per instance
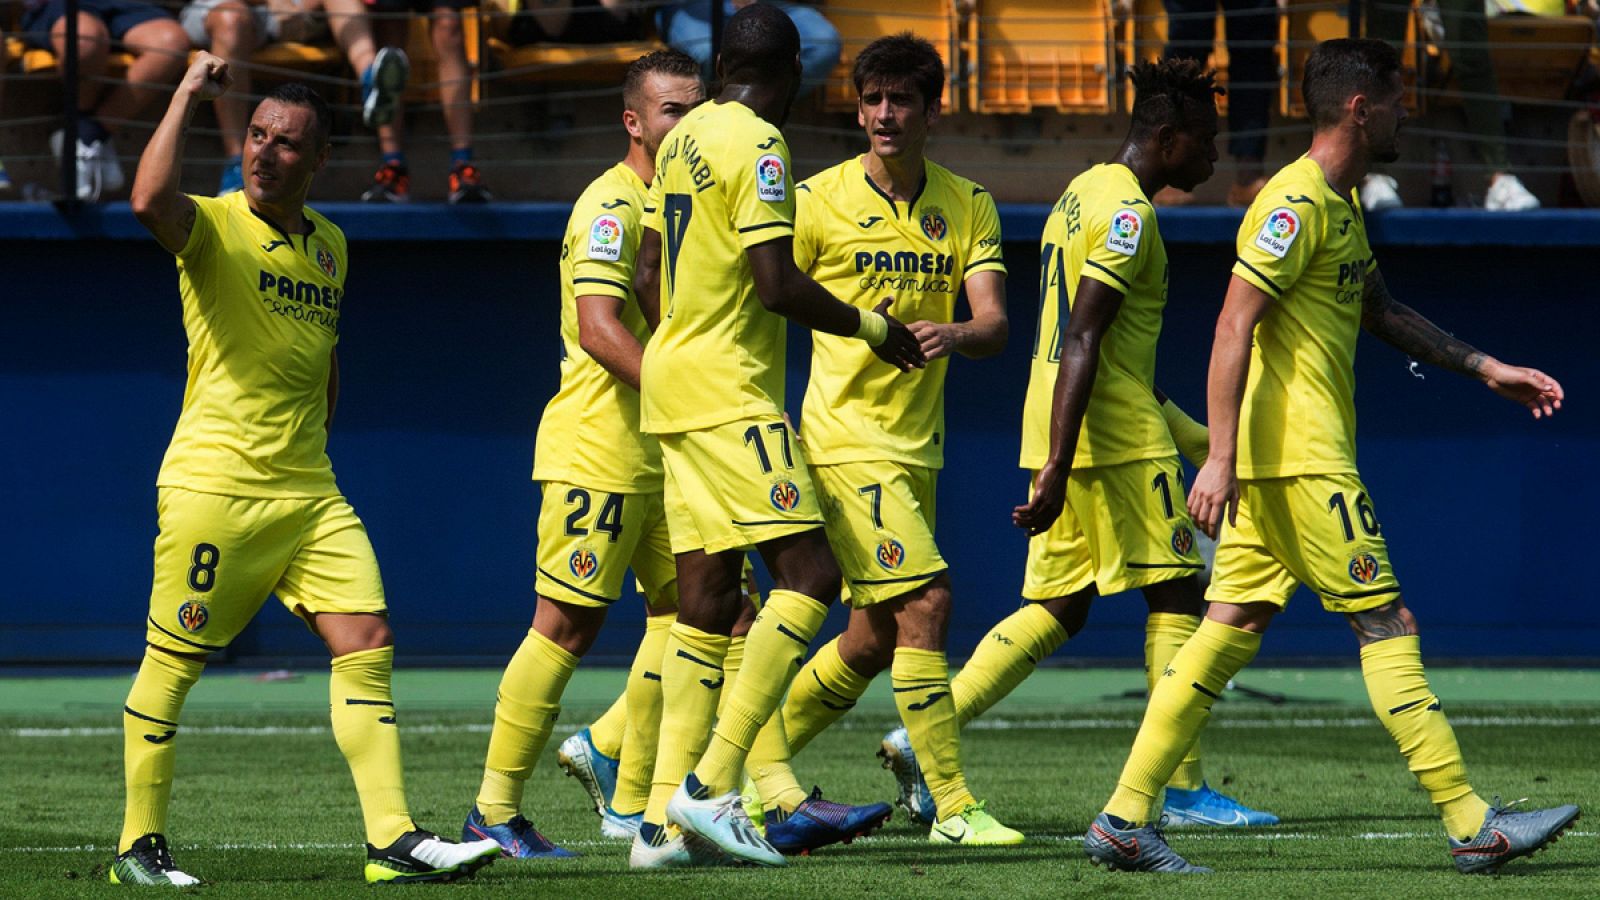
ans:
(609, 731)
(922, 692)
(149, 724)
(525, 711)
(364, 728)
(1406, 706)
(1004, 659)
(768, 767)
(639, 740)
(1178, 708)
(777, 642)
(822, 693)
(1164, 635)
(691, 681)
(731, 664)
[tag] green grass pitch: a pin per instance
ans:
(264, 805)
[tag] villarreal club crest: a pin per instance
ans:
(891, 554)
(1364, 568)
(583, 563)
(785, 496)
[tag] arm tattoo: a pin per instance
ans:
(1387, 621)
(1408, 331)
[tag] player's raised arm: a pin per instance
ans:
(793, 294)
(1216, 488)
(1094, 309)
(157, 203)
(982, 335)
(1408, 331)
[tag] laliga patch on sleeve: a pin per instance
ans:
(605, 239)
(769, 179)
(1123, 235)
(1279, 231)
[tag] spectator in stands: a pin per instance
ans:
(1466, 39)
(568, 21)
(1251, 29)
(686, 26)
(392, 183)
(160, 54)
(234, 29)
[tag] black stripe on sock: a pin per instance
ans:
(352, 701)
(139, 715)
(792, 636)
(684, 654)
(1201, 688)
(651, 676)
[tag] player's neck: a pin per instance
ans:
(289, 217)
(899, 177)
(1341, 158)
(640, 162)
(1144, 163)
(769, 104)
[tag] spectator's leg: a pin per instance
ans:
(1467, 40)
(161, 53)
(352, 31)
(232, 28)
(455, 80)
(94, 46)
(819, 44)
(1191, 28)
(392, 32)
(1252, 33)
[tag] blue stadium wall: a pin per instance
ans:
(450, 351)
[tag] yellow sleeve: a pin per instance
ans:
(807, 227)
(1117, 248)
(983, 250)
(208, 213)
(760, 189)
(605, 242)
(1275, 244)
(652, 205)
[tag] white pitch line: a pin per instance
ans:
(978, 725)
(878, 840)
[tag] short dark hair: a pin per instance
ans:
(1176, 91)
(901, 58)
(656, 62)
(1342, 68)
(759, 44)
(295, 93)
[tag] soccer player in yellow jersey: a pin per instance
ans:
(1282, 470)
(247, 503)
(601, 511)
(719, 237)
(892, 223)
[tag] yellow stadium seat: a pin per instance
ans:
(1042, 54)
(1536, 57)
(860, 22)
(595, 63)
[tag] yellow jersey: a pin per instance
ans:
(1306, 246)
(261, 310)
(863, 246)
(1103, 228)
(589, 433)
(723, 183)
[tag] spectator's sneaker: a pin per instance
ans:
(381, 86)
(1140, 849)
(595, 771)
(467, 187)
(422, 856)
(679, 852)
(1506, 835)
(1204, 806)
(98, 170)
(232, 178)
(974, 827)
(392, 184)
(817, 823)
(1380, 192)
(517, 838)
(899, 758)
(619, 826)
(5, 180)
(149, 862)
(721, 821)
(1507, 194)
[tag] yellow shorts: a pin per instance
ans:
(1316, 530)
(741, 483)
(1123, 527)
(880, 524)
(589, 539)
(218, 557)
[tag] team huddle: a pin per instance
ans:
(667, 453)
